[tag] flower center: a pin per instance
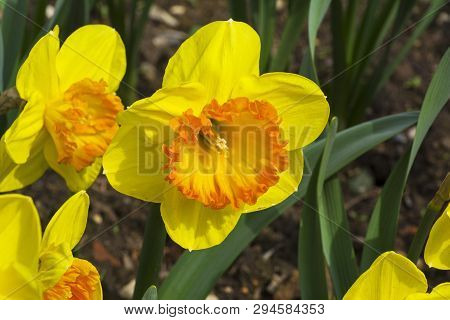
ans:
(83, 122)
(80, 282)
(230, 154)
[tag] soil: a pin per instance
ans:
(267, 269)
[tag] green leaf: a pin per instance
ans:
(317, 10)
(266, 26)
(290, 35)
(151, 294)
(195, 273)
(132, 39)
(13, 28)
(336, 240)
(382, 228)
(151, 252)
(311, 264)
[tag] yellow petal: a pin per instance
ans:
(390, 277)
(440, 292)
(38, 73)
(75, 180)
(55, 260)
(437, 249)
(165, 104)
(300, 103)
(24, 131)
(193, 226)
(134, 162)
(69, 222)
(287, 185)
(16, 176)
(217, 55)
(95, 52)
(19, 283)
(20, 231)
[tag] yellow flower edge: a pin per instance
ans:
(65, 107)
(38, 267)
(213, 81)
(390, 277)
(437, 248)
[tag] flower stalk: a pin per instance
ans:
(151, 253)
(433, 211)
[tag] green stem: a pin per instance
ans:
(151, 253)
(421, 235)
(434, 209)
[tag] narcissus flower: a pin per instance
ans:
(36, 267)
(394, 277)
(70, 115)
(437, 249)
(218, 139)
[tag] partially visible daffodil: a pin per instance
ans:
(36, 267)
(437, 249)
(70, 115)
(394, 277)
(233, 142)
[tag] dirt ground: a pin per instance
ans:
(267, 269)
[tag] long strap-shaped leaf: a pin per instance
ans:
(195, 273)
(297, 13)
(317, 10)
(383, 222)
(336, 240)
(311, 264)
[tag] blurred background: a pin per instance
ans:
(373, 58)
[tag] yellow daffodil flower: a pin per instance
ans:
(218, 139)
(70, 115)
(36, 267)
(394, 277)
(437, 249)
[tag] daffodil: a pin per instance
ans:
(437, 249)
(70, 115)
(218, 139)
(36, 267)
(394, 277)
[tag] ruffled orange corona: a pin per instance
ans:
(80, 282)
(215, 140)
(83, 122)
(219, 139)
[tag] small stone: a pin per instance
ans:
(127, 290)
(177, 10)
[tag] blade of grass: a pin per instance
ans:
(291, 32)
(151, 252)
(3, 120)
(317, 10)
(266, 27)
(151, 294)
(195, 273)
(13, 28)
(336, 241)
(311, 264)
(139, 16)
(383, 222)
(434, 208)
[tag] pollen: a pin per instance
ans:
(80, 282)
(229, 154)
(82, 122)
